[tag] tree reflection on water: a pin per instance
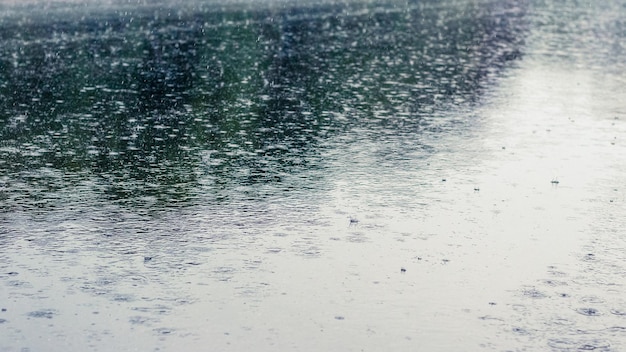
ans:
(178, 105)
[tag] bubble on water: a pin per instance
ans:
(562, 322)
(554, 283)
(618, 312)
(138, 320)
(557, 273)
(520, 331)
(164, 331)
(578, 345)
(589, 257)
(490, 317)
(533, 293)
(591, 299)
(158, 309)
(123, 298)
(591, 312)
(43, 313)
(19, 284)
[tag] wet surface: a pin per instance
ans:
(330, 176)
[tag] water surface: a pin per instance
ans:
(323, 176)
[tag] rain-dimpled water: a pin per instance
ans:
(312, 176)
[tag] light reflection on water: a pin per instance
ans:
(267, 184)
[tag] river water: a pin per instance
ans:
(319, 176)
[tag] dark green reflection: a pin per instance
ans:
(173, 106)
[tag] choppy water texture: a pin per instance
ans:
(332, 176)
